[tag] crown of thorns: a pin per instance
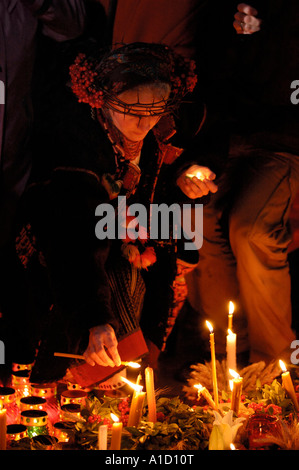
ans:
(98, 81)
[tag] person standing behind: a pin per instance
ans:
(22, 24)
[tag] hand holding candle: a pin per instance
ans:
(288, 384)
(197, 181)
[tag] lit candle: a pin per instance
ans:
(231, 309)
(150, 393)
(117, 428)
(288, 384)
(213, 361)
(236, 385)
(199, 175)
(206, 394)
(231, 358)
(3, 427)
(136, 407)
(102, 437)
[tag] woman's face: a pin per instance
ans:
(136, 127)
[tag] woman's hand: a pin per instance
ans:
(246, 21)
(102, 347)
(197, 181)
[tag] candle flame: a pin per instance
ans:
(114, 417)
(134, 365)
(199, 386)
(234, 374)
(232, 447)
(198, 175)
(230, 332)
(137, 388)
(231, 307)
(209, 325)
(231, 385)
(282, 365)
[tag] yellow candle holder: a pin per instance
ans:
(72, 410)
(15, 432)
(33, 403)
(36, 422)
(73, 396)
(62, 431)
(7, 396)
(16, 366)
(44, 390)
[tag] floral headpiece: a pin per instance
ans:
(98, 80)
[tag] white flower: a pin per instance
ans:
(224, 431)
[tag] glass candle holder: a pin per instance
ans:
(21, 383)
(36, 422)
(16, 366)
(15, 432)
(33, 403)
(73, 396)
(261, 427)
(70, 412)
(47, 391)
(62, 431)
(44, 442)
(8, 400)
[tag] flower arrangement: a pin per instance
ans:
(267, 419)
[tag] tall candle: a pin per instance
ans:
(3, 427)
(102, 437)
(237, 384)
(231, 309)
(136, 407)
(288, 384)
(117, 428)
(231, 351)
(213, 362)
(150, 393)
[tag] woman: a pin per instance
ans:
(104, 149)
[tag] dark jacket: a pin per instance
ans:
(21, 23)
(57, 224)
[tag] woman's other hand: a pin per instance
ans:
(246, 21)
(197, 181)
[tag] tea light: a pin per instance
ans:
(73, 396)
(15, 432)
(33, 403)
(36, 422)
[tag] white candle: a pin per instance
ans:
(102, 437)
(231, 351)
(231, 309)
